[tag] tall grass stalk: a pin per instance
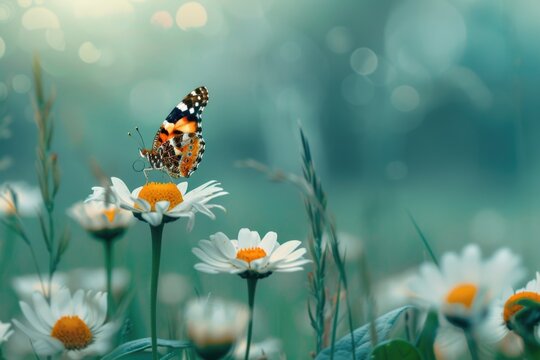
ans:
(320, 220)
(319, 200)
(424, 240)
(15, 224)
(48, 173)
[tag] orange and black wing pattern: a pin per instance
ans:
(179, 139)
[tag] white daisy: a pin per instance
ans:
(72, 326)
(393, 291)
(174, 288)
(249, 255)
(19, 197)
(5, 332)
(163, 202)
(269, 349)
(214, 326)
(505, 308)
(95, 279)
(462, 291)
(102, 220)
(26, 285)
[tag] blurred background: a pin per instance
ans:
(421, 106)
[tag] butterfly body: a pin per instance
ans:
(178, 146)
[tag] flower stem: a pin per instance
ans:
(252, 285)
(108, 247)
(471, 343)
(157, 233)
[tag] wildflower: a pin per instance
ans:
(214, 326)
(101, 220)
(249, 255)
(26, 285)
(251, 258)
(19, 197)
(269, 349)
(462, 291)
(94, 279)
(174, 289)
(507, 307)
(5, 332)
(73, 326)
(157, 203)
(393, 291)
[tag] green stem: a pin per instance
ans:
(252, 285)
(109, 260)
(52, 254)
(157, 234)
(335, 322)
(7, 250)
(38, 272)
(471, 343)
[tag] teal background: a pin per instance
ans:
(444, 126)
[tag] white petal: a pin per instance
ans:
(206, 268)
(162, 206)
(222, 242)
(182, 187)
(244, 238)
(284, 250)
(153, 218)
(268, 242)
(207, 259)
(33, 319)
(121, 191)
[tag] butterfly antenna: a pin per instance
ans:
(140, 136)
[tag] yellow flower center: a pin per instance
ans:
(110, 214)
(154, 192)
(510, 306)
(72, 332)
(250, 254)
(463, 294)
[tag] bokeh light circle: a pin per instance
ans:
(405, 98)
(21, 83)
(24, 3)
(364, 61)
(55, 39)
(425, 37)
(339, 40)
(191, 15)
(40, 18)
(89, 53)
(162, 19)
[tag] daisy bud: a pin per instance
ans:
(214, 326)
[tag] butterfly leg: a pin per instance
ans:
(145, 174)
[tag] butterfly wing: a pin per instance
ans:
(179, 139)
(184, 118)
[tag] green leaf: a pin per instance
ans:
(528, 303)
(170, 355)
(383, 326)
(395, 349)
(143, 344)
(426, 339)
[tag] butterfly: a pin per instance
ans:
(178, 146)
